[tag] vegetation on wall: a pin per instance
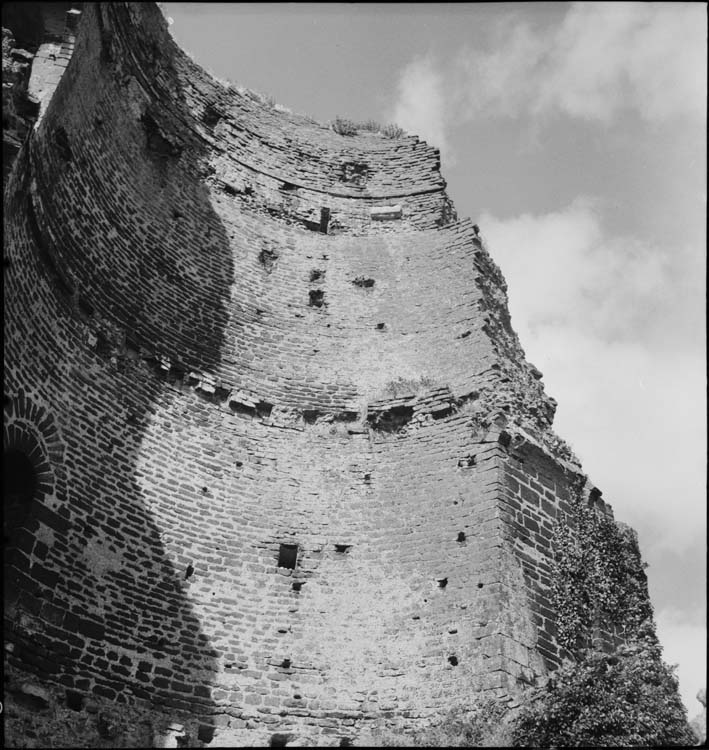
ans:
(343, 126)
(628, 698)
(599, 591)
(598, 579)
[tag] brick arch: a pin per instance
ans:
(32, 430)
(25, 460)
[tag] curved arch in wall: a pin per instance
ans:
(33, 478)
(22, 466)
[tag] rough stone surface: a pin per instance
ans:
(36, 47)
(199, 371)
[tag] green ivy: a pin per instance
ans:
(598, 579)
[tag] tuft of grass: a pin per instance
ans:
(343, 126)
(392, 131)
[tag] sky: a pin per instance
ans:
(575, 136)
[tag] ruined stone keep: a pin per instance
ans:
(276, 465)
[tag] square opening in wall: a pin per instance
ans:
(287, 556)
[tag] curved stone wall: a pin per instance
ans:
(239, 352)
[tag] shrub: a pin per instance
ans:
(626, 699)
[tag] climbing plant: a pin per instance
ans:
(626, 698)
(598, 578)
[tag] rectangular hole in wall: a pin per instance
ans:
(324, 219)
(264, 409)
(346, 416)
(310, 415)
(287, 556)
(316, 274)
(239, 408)
(86, 307)
(316, 298)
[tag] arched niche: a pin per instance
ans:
(27, 478)
(32, 467)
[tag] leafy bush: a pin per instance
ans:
(626, 699)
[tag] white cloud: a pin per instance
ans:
(600, 60)
(685, 644)
(606, 56)
(498, 82)
(419, 108)
(611, 323)
(609, 288)
(615, 325)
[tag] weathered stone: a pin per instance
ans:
(34, 695)
(384, 213)
(108, 724)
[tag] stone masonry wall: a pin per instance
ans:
(234, 336)
(539, 492)
(38, 41)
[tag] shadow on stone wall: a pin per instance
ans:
(93, 600)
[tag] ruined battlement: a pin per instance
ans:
(280, 466)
